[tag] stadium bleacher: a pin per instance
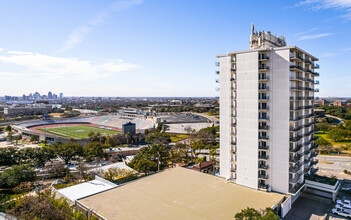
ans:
(114, 121)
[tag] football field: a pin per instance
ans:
(78, 131)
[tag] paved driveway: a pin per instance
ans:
(336, 168)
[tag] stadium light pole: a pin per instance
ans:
(45, 116)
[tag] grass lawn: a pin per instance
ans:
(335, 144)
(178, 137)
(78, 131)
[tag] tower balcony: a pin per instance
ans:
(266, 127)
(264, 99)
(262, 167)
(296, 88)
(295, 149)
(296, 118)
(263, 58)
(296, 78)
(315, 74)
(308, 61)
(296, 128)
(217, 72)
(263, 147)
(295, 139)
(217, 80)
(261, 108)
(263, 88)
(263, 157)
(297, 57)
(316, 82)
(296, 108)
(295, 159)
(297, 68)
(263, 78)
(263, 176)
(217, 63)
(296, 168)
(296, 178)
(315, 66)
(296, 98)
(263, 186)
(263, 138)
(263, 68)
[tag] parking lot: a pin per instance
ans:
(309, 206)
(334, 166)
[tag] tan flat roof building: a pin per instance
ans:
(178, 193)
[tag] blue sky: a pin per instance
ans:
(158, 47)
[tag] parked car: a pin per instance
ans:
(343, 208)
(344, 202)
(341, 213)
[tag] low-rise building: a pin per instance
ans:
(179, 193)
(14, 111)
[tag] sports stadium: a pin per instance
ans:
(64, 130)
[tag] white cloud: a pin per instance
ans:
(76, 37)
(1, 49)
(314, 36)
(329, 54)
(117, 66)
(78, 34)
(341, 5)
(53, 67)
(10, 74)
(346, 49)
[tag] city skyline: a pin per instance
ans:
(151, 48)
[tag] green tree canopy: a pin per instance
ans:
(253, 214)
(17, 174)
(145, 166)
(337, 134)
(324, 127)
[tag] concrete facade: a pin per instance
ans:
(266, 115)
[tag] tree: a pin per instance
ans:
(17, 174)
(348, 125)
(145, 166)
(160, 153)
(7, 156)
(17, 138)
(248, 214)
(337, 134)
(253, 214)
(188, 129)
(93, 151)
(325, 149)
(45, 207)
(158, 138)
(57, 169)
(10, 137)
(129, 138)
(324, 127)
(270, 214)
(323, 142)
(34, 138)
(64, 151)
(8, 128)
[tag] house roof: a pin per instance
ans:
(178, 193)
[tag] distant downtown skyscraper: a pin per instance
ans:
(266, 114)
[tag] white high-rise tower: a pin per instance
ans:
(266, 114)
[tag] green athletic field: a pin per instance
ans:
(78, 131)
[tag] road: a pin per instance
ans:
(336, 168)
(338, 120)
